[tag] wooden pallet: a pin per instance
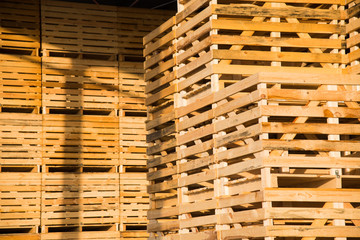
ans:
(79, 201)
(134, 201)
(81, 140)
(20, 200)
(20, 82)
(20, 26)
(132, 87)
(75, 27)
(80, 84)
(21, 139)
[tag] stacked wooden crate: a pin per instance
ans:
(80, 84)
(20, 127)
(73, 120)
(240, 155)
(20, 177)
(133, 25)
(19, 62)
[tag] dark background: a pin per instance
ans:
(151, 4)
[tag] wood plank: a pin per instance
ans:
(279, 27)
(289, 11)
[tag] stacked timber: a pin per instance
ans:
(238, 154)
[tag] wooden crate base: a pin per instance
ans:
(20, 236)
(81, 232)
(134, 235)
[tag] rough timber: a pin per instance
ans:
(253, 120)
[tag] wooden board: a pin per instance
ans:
(83, 234)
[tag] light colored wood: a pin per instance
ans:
(238, 144)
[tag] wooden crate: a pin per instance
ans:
(134, 202)
(21, 139)
(20, 81)
(80, 202)
(78, 28)
(20, 201)
(80, 84)
(132, 87)
(81, 140)
(132, 143)
(20, 26)
(237, 40)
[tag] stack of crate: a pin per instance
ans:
(81, 130)
(20, 176)
(133, 25)
(238, 154)
(73, 150)
(19, 62)
(20, 127)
